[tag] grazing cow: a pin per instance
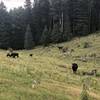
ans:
(74, 67)
(31, 55)
(13, 55)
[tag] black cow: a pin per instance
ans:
(13, 55)
(74, 67)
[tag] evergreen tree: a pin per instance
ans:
(67, 20)
(57, 9)
(41, 12)
(4, 27)
(56, 35)
(80, 17)
(28, 43)
(18, 27)
(95, 15)
(2, 6)
(28, 11)
(63, 19)
(45, 38)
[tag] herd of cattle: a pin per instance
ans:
(14, 55)
(74, 66)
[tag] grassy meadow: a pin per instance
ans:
(51, 69)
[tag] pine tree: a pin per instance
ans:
(2, 6)
(40, 11)
(4, 27)
(57, 17)
(28, 4)
(67, 20)
(45, 37)
(56, 34)
(80, 17)
(28, 43)
(28, 12)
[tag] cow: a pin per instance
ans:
(13, 55)
(74, 67)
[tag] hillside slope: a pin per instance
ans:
(50, 69)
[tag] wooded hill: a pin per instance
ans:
(47, 21)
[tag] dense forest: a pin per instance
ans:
(47, 21)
